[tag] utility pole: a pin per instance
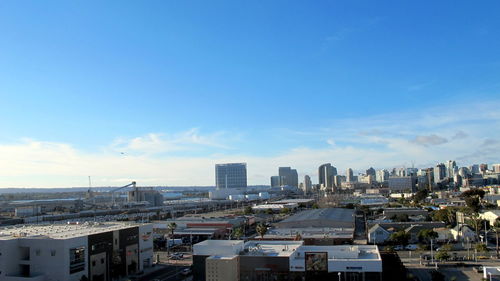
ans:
(432, 256)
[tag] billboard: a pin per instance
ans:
(316, 261)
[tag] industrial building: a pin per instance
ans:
(329, 217)
(284, 260)
(72, 252)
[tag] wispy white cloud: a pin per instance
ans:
(156, 143)
(419, 86)
(468, 133)
(429, 140)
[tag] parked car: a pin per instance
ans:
(186, 271)
(398, 248)
(478, 269)
(411, 247)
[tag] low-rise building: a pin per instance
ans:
(327, 217)
(463, 232)
(284, 260)
(98, 251)
(491, 216)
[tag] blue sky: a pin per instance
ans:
(181, 85)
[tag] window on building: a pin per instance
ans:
(53, 253)
(76, 259)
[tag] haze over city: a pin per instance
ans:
(160, 92)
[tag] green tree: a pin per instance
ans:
(401, 237)
(426, 235)
(481, 247)
(496, 229)
(442, 255)
(475, 221)
(420, 195)
(475, 192)
(447, 215)
(261, 230)
(248, 210)
(400, 218)
(269, 211)
(315, 206)
(238, 233)
(473, 203)
(285, 211)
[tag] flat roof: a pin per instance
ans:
(346, 252)
(331, 214)
(299, 200)
(311, 232)
(271, 248)
(61, 231)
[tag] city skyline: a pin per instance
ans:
(158, 92)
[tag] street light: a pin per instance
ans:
(340, 274)
(489, 273)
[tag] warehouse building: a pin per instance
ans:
(329, 217)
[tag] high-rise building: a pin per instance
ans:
(450, 168)
(496, 168)
(371, 172)
(289, 176)
(483, 168)
(439, 172)
(275, 181)
(464, 172)
(307, 184)
(326, 172)
(338, 180)
(349, 175)
(474, 169)
(231, 175)
(382, 176)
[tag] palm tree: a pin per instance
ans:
(475, 220)
(496, 229)
(171, 228)
(261, 230)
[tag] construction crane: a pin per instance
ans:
(133, 184)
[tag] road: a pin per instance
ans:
(461, 270)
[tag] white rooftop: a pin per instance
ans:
(60, 231)
(271, 248)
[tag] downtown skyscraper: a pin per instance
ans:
(231, 175)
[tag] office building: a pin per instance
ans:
(483, 168)
(371, 172)
(307, 184)
(289, 176)
(496, 168)
(451, 166)
(349, 175)
(474, 169)
(276, 181)
(326, 172)
(232, 175)
(382, 176)
(439, 173)
(403, 184)
(73, 252)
